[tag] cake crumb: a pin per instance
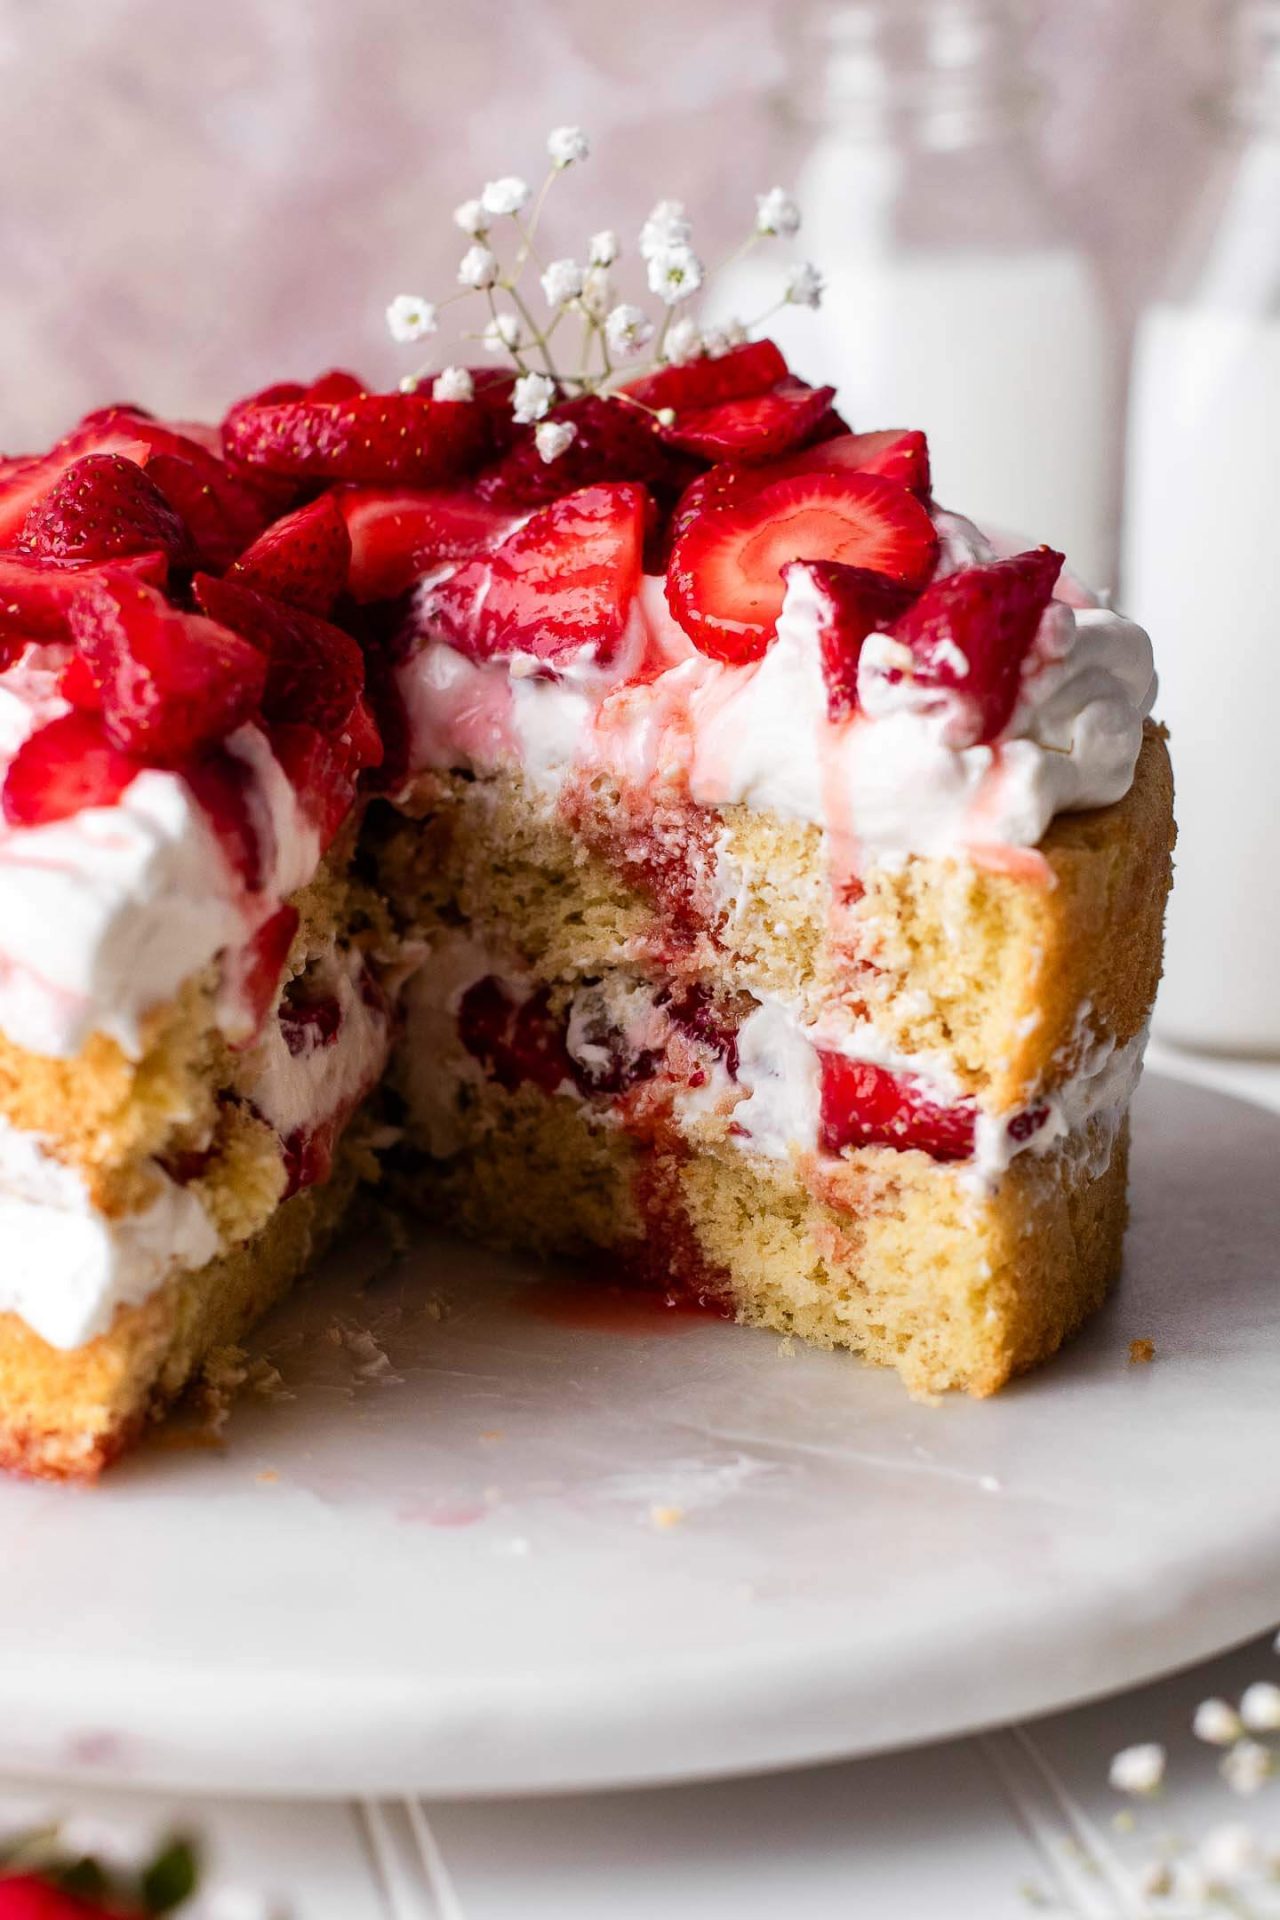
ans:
(1141, 1352)
(665, 1517)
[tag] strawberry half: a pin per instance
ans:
(398, 535)
(561, 585)
(851, 602)
(102, 507)
(760, 427)
(302, 559)
(62, 767)
(752, 368)
(969, 634)
(314, 671)
(169, 683)
(867, 1106)
(373, 437)
(898, 453)
(724, 581)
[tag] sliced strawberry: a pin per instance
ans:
(170, 683)
(382, 437)
(724, 581)
(314, 670)
(969, 634)
(102, 507)
(760, 427)
(867, 1106)
(612, 441)
(36, 595)
(560, 585)
(397, 535)
(900, 454)
(257, 973)
(517, 1042)
(24, 1896)
(752, 368)
(851, 603)
(62, 767)
(339, 383)
(302, 559)
(322, 772)
(219, 784)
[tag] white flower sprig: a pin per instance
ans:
(617, 339)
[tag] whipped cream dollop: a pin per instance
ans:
(888, 780)
(105, 914)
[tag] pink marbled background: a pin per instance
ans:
(199, 198)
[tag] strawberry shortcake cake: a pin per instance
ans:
(624, 807)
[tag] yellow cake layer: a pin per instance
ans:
(1008, 975)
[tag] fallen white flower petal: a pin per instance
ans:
(1138, 1769)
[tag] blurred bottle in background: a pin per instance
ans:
(1202, 559)
(956, 300)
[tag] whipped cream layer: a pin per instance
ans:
(104, 915)
(887, 780)
(768, 1099)
(66, 1266)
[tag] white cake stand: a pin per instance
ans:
(520, 1552)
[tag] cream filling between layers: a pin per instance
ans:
(67, 1267)
(774, 1101)
(106, 914)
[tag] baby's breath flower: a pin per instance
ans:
(598, 292)
(628, 331)
(478, 267)
(1260, 1707)
(1154, 1879)
(675, 273)
(1190, 1884)
(1246, 1767)
(1216, 1722)
(502, 334)
(454, 383)
(667, 226)
(1138, 1769)
(776, 213)
(602, 248)
(1230, 1853)
(552, 437)
(508, 195)
(562, 282)
(409, 317)
(531, 396)
(567, 144)
(804, 286)
(409, 383)
(472, 218)
(683, 341)
(719, 340)
(666, 416)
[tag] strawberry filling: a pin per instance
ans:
(867, 1106)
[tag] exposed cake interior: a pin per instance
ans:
(734, 864)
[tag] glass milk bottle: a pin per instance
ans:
(955, 300)
(1202, 561)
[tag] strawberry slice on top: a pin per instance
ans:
(899, 453)
(612, 441)
(760, 427)
(62, 767)
(724, 580)
(368, 437)
(102, 507)
(314, 671)
(968, 635)
(302, 559)
(850, 603)
(168, 684)
(398, 534)
(752, 368)
(561, 586)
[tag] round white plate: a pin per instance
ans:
(484, 1547)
